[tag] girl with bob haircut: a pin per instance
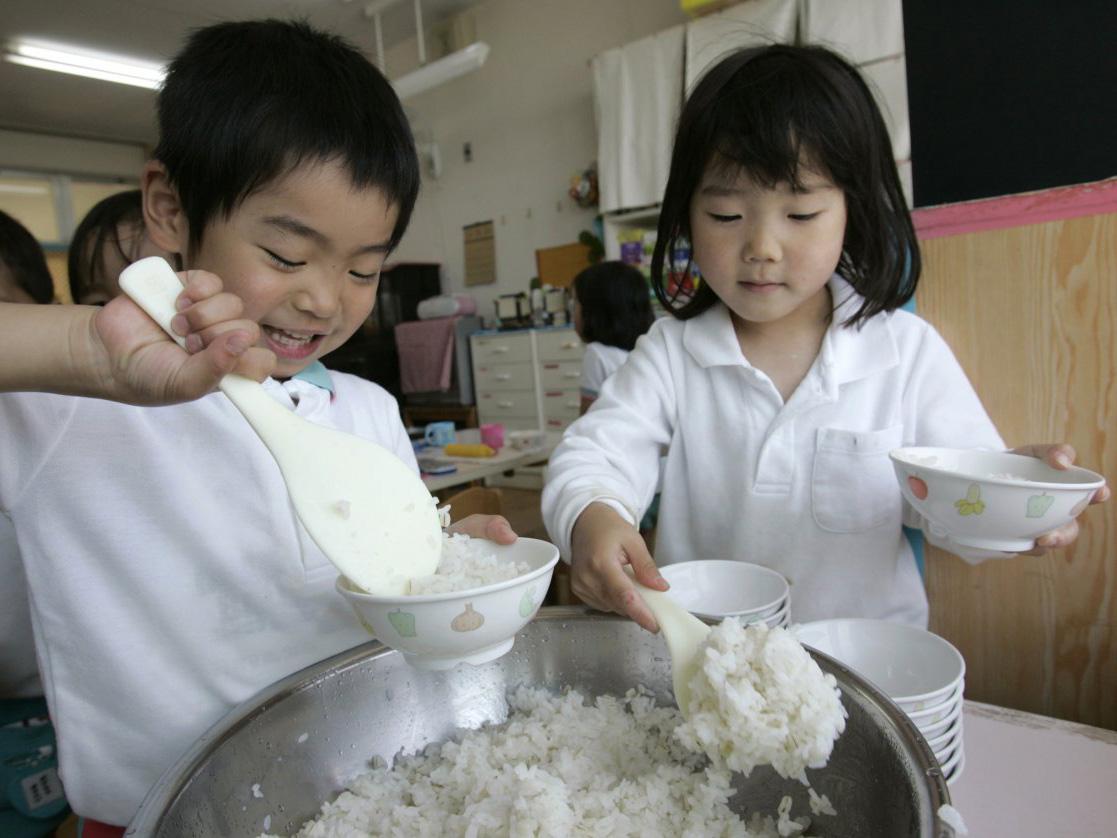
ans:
(778, 387)
(611, 310)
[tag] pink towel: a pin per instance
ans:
(426, 352)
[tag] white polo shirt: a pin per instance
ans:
(598, 363)
(804, 487)
(168, 576)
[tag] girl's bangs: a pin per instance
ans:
(771, 151)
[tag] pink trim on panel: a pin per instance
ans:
(1016, 210)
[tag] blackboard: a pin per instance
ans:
(1009, 97)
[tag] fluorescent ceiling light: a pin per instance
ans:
(90, 65)
(23, 189)
(437, 72)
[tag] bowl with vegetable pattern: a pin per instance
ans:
(991, 500)
(441, 630)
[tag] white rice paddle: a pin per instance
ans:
(365, 509)
(683, 632)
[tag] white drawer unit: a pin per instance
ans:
(515, 347)
(493, 376)
(528, 379)
(498, 405)
(560, 408)
(558, 345)
(560, 375)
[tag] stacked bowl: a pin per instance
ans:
(920, 671)
(716, 589)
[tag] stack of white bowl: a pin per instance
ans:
(717, 589)
(920, 671)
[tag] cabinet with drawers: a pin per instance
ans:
(528, 379)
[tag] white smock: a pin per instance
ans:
(598, 363)
(168, 577)
(804, 487)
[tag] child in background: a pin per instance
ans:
(611, 310)
(777, 390)
(110, 238)
(173, 580)
(24, 277)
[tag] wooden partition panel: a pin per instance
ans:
(1031, 313)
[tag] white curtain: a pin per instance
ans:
(750, 24)
(638, 92)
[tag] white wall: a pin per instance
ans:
(70, 155)
(528, 115)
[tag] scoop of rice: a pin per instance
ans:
(465, 563)
(760, 699)
(558, 767)
(953, 818)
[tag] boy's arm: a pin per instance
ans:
(117, 352)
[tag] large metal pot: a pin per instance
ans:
(272, 762)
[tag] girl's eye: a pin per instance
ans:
(365, 277)
(804, 216)
(723, 219)
(286, 264)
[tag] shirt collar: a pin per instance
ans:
(316, 373)
(309, 392)
(847, 353)
(851, 353)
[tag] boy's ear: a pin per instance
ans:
(163, 214)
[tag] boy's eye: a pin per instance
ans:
(287, 264)
(804, 216)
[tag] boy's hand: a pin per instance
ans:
(493, 527)
(137, 362)
(602, 543)
(1060, 456)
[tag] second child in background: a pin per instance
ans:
(108, 239)
(24, 276)
(612, 308)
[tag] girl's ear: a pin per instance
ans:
(164, 219)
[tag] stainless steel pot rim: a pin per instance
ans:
(173, 781)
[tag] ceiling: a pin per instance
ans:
(56, 103)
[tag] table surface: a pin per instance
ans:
(1030, 776)
(476, 468)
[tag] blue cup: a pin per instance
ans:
(439, 433)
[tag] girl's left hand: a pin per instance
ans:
(1059, 456)
(493, 527)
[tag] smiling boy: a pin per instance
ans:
(169, 578)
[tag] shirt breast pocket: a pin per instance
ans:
(853, 485)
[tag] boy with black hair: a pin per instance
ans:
(178, 582)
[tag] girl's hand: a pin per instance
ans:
(1059, 456)
(602, 543)
(493, 527)
(134, 361)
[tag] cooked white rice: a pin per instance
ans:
(759, 698)
(558, 767)
(465, 563)
(953, 818)
(1018, 478)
